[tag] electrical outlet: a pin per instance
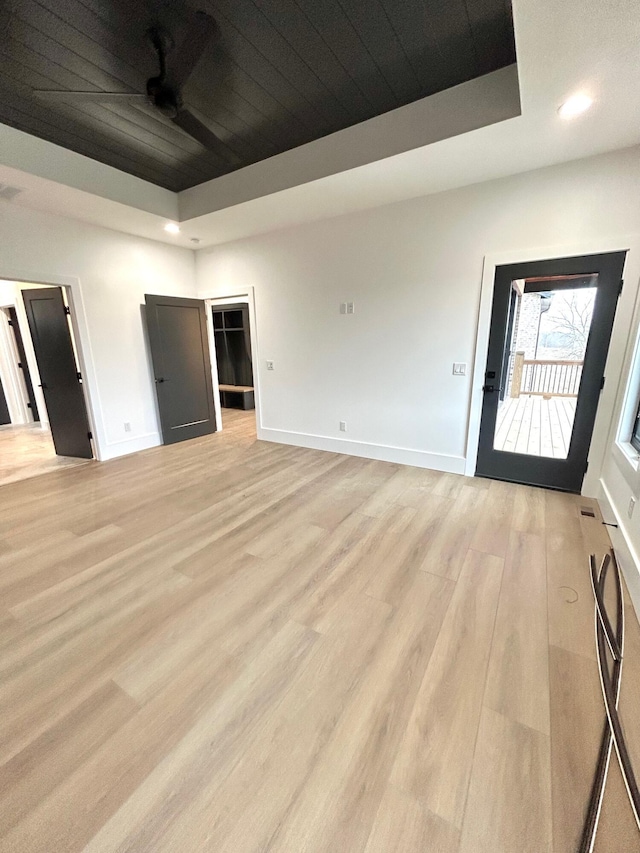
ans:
(127, 427)
(351, 308)
(459, 368)
(630, 508)
(269, 365)
(343, 426)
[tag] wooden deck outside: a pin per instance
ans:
(533, 425)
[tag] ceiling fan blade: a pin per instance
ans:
(196, 129)
(199, 35)
(62, 94)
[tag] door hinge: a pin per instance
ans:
(67, 310)
(621, 286)
(29, 406)
(602, 381)
(586, 466)
(89, 435)
(79, 375)
(10, 322)
(20, 365)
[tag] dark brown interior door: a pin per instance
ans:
(181, 365)
(61, 382)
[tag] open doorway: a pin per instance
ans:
(48, 426)
(231, 334)
(201, 353)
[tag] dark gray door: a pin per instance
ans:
(61, 381)
(181, 365)
(545, 368)
(4, 409)
(22, 364)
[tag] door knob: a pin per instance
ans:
(487, 388)
(160, 380)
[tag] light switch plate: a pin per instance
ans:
(459, 368)
(269, 365)
(351, 308)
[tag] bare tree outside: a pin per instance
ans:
(564, 328)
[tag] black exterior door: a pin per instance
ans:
(22, 364)
(61, 382)
(538, 413)
(182, 366)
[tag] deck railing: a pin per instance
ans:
(545, 377)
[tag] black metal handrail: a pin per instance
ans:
(610, 682)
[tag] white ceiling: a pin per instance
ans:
(562, 47)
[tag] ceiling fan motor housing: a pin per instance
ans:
(164, 97)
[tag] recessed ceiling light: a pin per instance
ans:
(172, 228)
(575, 105)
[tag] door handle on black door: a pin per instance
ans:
(160, 380)
(487, 388)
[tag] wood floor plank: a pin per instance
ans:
(450, 542)
(340, 798)
(576, 729)
(208, 745)
(78, 807)
(252, 799)
(491, 534)
(509, 806)
(435, 756)
(37, 770)
(570, 608)
(230, 645)
(528, 510)
(403, 825)
(518, 676)
(28, 451)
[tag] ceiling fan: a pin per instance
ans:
(164, 91)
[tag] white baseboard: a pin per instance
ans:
(381, 452)
(130, 445)
(626, 554)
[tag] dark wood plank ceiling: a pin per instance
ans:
(282, 72)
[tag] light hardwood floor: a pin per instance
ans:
(28, 451)
(227, 645)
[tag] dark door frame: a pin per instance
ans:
(560, 474)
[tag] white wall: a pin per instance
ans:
(108, 274)
(414, 271)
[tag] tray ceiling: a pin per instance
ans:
(281, 73)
